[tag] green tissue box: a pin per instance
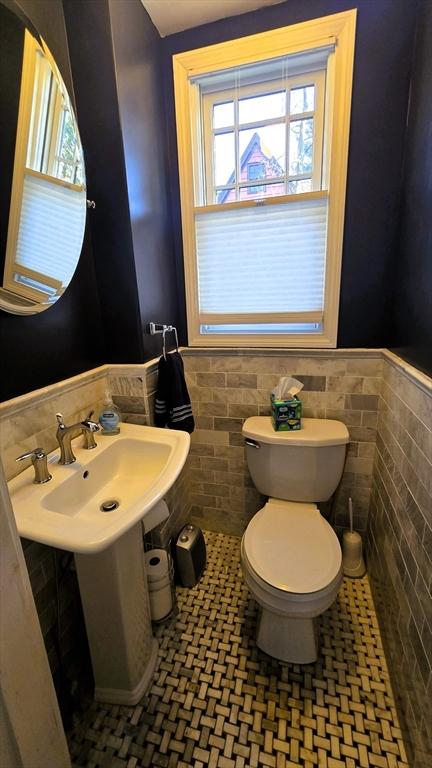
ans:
(286, 414)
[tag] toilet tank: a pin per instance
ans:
(300, 465)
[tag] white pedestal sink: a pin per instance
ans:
(134, 469)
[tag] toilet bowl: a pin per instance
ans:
(292, 563)
(291, 557)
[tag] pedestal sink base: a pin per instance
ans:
(116, 608)
(132, 697)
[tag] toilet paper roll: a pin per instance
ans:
(352, 554)
(157, 565)
(160, 603)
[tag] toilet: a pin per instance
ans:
(291, 557)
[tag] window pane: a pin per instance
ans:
(302, 99)
(264, 146)
(224, 196)
(262, 190)
(223, 115)
(301, 146)
(263, 328)
(301, 185)
(257, 108)
(224, 159)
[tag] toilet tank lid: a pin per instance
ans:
(314, 432)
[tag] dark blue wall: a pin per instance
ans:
(136, 45)
(93, 69)
(384, 39)
(67, 338)
(411, 335)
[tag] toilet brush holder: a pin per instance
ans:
(352, 554)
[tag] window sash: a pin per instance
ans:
(283, 247)
(204, 148)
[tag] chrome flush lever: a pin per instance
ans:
(39, 461)
(252, 443)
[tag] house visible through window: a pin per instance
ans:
(262, 233)
(255, 170)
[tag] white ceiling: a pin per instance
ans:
(171, 16)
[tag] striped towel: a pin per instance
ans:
(173, 406)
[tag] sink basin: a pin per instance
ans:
(133, 469)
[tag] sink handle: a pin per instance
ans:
(39, 461)
(89, 428)
(60, 420)
(37, 453)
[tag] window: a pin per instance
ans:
(262, 129)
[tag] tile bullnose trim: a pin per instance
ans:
(422, 380)
(279, 352)
(38, 396)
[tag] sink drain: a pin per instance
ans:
(109, 505)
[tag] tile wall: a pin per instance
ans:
(400, 546)
(227, 387)
(387, 406)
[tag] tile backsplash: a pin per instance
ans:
(29, 421)
(226, 388)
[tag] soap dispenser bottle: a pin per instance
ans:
(109, 419)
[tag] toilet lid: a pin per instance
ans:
(292, 547)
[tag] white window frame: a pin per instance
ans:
(337, 30)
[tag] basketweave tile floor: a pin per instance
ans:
(218, 701)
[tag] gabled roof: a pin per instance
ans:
(254, 143)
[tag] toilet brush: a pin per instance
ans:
(352, 549)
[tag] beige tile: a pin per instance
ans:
(361, 402)
(242, 411)
(228, 424)
(372, 385)
(348, 417)
(368, 418)
(129, 386)
(242, 380)
(361, 466)
(366, 450)
(364, 366)
(211, 379)
(346, 384)
(213, 409)
(210, 437)
(197, 363)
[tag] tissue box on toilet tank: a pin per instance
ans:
(286, 414)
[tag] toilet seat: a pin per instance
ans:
(292, 549)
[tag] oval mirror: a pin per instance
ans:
(43, 191)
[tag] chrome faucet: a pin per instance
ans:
(39, 461)
(66, 434)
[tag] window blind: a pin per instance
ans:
(48, 211)
(263, 263)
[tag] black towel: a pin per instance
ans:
(173, 406)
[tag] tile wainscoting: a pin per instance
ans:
(227, 388)
(387, 406)
(400, 546)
